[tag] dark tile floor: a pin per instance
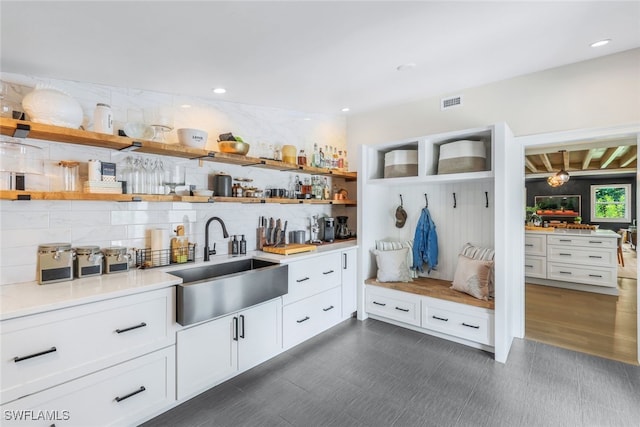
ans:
(374, 374)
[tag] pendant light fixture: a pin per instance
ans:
(560, 178)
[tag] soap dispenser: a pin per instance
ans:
(235, 247)
(243, 246)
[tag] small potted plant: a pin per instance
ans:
(577, 220)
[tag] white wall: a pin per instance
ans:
(598, 93)
(25, 224)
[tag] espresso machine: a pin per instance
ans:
(329, 229)
(342, 231)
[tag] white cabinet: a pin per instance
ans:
(459, 320)
(44, 350)
(349, 279)
(392, 304)
(118, 395)
(308, 317)
(213, 351)
(572, 260)
(310, 276)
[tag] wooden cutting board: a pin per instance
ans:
(292, 248)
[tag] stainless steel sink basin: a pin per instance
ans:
(214, 290)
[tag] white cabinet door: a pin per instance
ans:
(307, 318)
(535, 266)
(349, 285)
(535, 244)
(259, 334)
(311, 276)
(207, 354)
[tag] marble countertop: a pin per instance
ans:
(23, 299)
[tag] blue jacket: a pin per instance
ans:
(425, 243)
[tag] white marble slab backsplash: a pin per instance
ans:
(26, 224)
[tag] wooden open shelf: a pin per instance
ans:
(78, 195)
(434, 288)
(34, 130)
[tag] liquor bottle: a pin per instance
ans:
(326, 193)
(315, 157)
(321, 158)
(340, 160)
(334, 163)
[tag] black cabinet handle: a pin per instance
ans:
(595, 241)
(564, 272)
(406, 310)
(595, 275)
(242, 326)
(302, 280)
(328, 308)
(470, 326)
(327, 272)
(303, 320)
(30, 356)
(440, 318)
(529, 266)
(133, 393)
(594, 256)
(564, 254)
(565, 240)
(344, 261)
(235, 328)
(530, 245)
(379, 303)
(131, 328)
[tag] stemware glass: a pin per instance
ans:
(174, 176)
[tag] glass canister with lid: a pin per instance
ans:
(116, 259)
(55, 262)
(88, 261)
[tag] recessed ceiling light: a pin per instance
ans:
(307, 119)
(407, 66)
(185, 106)
(345, 109)
(219, 90)
(600, 43)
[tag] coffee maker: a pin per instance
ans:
(342, 231)
(329, 229)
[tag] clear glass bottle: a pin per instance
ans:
(315, 158)
(340, 160)
(320, 158)
(302, 158)
(326, 192)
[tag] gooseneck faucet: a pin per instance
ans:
(208, 252)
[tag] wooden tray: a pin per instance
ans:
(292, 248)
(534, 228)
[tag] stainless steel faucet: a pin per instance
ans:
(208, 252)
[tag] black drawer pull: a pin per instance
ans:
(470, 326)
(565, 240)
(595, 275)
(327, 272)
(42, 353)
(242, 325)
(235, 328)
(133, 393)
(595, 256)
(303, 320)
(529, 245)
(564, 254)
(302, 280)
(379, 303)
(328, 308)
(440, 318)
(595, 241)
(565, 272)
(528, 265)
(406, 310)
(131, 328)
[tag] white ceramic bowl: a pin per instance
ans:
(194, 138)
(203, 193)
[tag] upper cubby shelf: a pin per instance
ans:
(446, 158)
(24, 129)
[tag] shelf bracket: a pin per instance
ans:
(22, 130)
(134, 146)
(258, 163)
(24, 197)
(209, 155)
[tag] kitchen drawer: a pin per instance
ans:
(397, 305)
(46, 349)
(582, 255)
(599, 276)
(460, 320)
(120, 395)
(306, 318)
(535, 244)
(589, 241)
(535, 266)
(312, 276)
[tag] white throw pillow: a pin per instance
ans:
(485, 254)
(472, 277)
(384, 245)
(392, 265)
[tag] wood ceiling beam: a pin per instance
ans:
(565, 160)
(529, 164)
(610, 155)
(587, 158)
(546, 162)
(631, 155)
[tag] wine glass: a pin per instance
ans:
(173, 177)
(161, 119)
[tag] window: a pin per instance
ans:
(611, 203)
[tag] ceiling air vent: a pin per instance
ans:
(454, 101)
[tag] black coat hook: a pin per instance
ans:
(401, 204)
(426, 201)
(486, 196)
(455, 203)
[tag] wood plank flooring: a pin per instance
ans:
(601, 325)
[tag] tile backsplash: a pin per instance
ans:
(26, 224)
